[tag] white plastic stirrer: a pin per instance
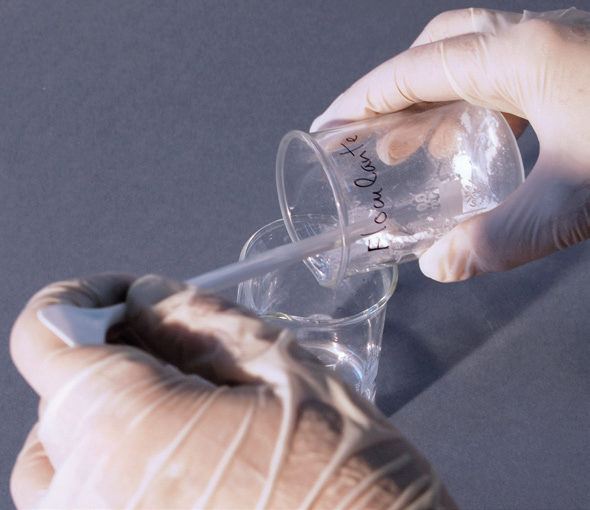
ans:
(88, 326)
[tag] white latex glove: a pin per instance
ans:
(233, 414)
(535, 66)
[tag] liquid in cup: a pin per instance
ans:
(415, 174)
(342, 326)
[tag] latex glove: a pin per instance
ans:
(244, 418)
(533, 66)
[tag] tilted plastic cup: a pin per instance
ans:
(413, 174)
(342, 326)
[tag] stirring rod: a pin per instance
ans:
(88, 326)
(265, 262)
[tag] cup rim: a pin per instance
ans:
(351, 319)
(337, 196)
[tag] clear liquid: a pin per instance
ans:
(344, 361)
(360, 374)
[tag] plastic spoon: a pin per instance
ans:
(88, 326)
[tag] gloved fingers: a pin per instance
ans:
(31, 342)
(471, 21)
(478, 66)
(549, 212)
(32, 473)
(414, 76)
(115, 436)
(76, 383)
(93, 392)
(464, 22)
(196, 331)
(407, 131)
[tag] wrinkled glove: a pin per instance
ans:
(533, 66)
(210, 408)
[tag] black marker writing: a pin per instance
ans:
(368, 180)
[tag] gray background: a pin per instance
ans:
(141, 136)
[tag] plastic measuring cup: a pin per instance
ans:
(342, 325)
(413, 174)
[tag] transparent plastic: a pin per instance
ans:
(414, 174)
(342, 326)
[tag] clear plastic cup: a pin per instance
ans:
(413, 174)
(342, 326)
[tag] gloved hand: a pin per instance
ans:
(533, 66)
(227, 412)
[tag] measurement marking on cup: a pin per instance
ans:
(368, 181)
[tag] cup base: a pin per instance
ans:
(344, 361)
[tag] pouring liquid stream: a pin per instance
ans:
(88, 326)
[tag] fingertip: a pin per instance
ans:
(432, 264)
(451, 259)
(316, 125)
(31, 342)
(326, 119)
(32, 473)
(429, 266)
